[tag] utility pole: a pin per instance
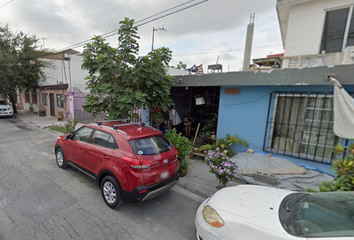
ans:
(153, 34)
(43, 42)
(249, 40)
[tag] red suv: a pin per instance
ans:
(130, 161)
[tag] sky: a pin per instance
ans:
(204, 34)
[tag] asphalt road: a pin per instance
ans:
(38, 200)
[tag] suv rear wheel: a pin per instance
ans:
(111, 192)
(60, 158)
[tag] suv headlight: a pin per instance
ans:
(212, 217)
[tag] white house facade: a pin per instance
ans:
(316, 32)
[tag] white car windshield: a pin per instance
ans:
(3, 102)
(319, 214)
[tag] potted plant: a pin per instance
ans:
(41, 111)
(224, 144)
(31, 107)
(221, 166)
(183, 145)
(157, 116)
(60, 115)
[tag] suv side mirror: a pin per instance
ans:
(70, 136)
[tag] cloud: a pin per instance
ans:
(59, 14)
(215, 26)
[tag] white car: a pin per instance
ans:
(249, 212)
(5, 109)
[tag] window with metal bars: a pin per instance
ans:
(44, 99)
(301, 125)
(60, 102)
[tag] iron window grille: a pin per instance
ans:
(60, 102)
(301, 125)
(44, 99)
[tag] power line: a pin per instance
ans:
(237, 40)
(141, 20)
(226, 51)
(6, 3)
(104, 14)
(152, 20)
(114, 32)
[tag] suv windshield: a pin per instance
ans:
(319, 214)
(150, 146)
(3, 102)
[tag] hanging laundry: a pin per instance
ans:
(343, 111)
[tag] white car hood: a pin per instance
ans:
(256, 204)
(5, 106)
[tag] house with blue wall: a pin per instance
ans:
(286, 111)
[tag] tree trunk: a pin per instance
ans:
(13, 102)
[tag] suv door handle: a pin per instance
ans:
(105, 157)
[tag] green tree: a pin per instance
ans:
(181, 65)
(119, 80)
(20, 64)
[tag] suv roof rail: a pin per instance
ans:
(99, 123)
(126, 124)
(118, 130)
(132, 123)
(121, 131)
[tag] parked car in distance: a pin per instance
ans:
(252, 212)
(5, 109)
(130, 161)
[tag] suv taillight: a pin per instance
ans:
(136, 164)
(174, 159)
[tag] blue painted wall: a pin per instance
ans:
(245, 114)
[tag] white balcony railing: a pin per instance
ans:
(317, 60)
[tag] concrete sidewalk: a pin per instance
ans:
(35, 120)
(41, 122)
(198, 180)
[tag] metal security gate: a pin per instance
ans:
(86, 117)
(80, 114)
(301, 125)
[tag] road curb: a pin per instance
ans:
(197, 189)
(54, 133)
(202, 190)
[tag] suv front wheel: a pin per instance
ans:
(60, 158)
(111, 192)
